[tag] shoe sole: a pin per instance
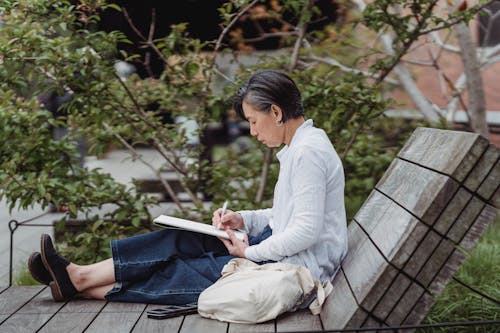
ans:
(33, 274)
(54, 286)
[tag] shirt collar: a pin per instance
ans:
(296, 136)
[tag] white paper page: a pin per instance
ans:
(170, 221)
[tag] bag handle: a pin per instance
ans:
(322, 291)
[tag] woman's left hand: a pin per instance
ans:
(234, 245)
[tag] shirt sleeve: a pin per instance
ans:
(308, 185)
(256, 220)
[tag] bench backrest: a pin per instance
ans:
(407, 240)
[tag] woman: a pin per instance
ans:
(305, 226)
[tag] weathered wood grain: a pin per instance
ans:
(197, 324)
(495, 199)
(405, 304)
(117, 317)
(420, 310)
(255, 328)
(395, 231)
(450, 152)
(480, 225)
(363, 266)
(32, 315)
(119, 307)
(370, 276)
(490, 183)
(75, 316)
(482, 168)
(301, 320)
(435, 262)
(22, 323)
(15, 297)
(146, 324)
(340, 306)
(451, 212)
(465, 220)
(390, 298)
(422, 253)
(447, 271)
(422, 192)
(372, 322)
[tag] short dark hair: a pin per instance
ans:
(267, 87)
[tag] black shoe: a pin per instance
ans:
(61, 286)
(37, 269)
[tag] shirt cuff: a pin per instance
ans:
(251, 254)
(247, 219)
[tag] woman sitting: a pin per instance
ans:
(306, 224)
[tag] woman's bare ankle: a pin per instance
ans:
(76, 276)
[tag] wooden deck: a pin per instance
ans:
(31, 309)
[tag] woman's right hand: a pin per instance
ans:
(230, 220)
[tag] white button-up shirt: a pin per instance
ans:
(308, 219)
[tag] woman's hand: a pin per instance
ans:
(230, 220)
(234, 245)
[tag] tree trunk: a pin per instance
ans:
(409, 84)
(476, 105)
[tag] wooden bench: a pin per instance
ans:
(406, 242)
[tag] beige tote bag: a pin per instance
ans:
(251, 293)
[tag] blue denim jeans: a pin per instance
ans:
(168, 266)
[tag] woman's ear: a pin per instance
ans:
(277, 113)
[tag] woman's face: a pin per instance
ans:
(263, 125)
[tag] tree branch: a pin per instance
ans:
(148, 41)
(333, 62)
(138, 156)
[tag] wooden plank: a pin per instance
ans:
(19, 323)
(453, 153)
(146, 324)
(391, 228)
(75, 316)
(301, 320)
(484, 220)
(391, 297)
(363, 265)
(405, 305)
(451, 212)
(369, 274)
(465, 220)
(15, 297)
(340, 306)
(252, 328)
(422, 254)
(420, 310)
(32, 315)
(435, 262)
(457, 257)
(422, 192)
(120, 307)
(495, 199)
(372, 322)
(490, 183)
(482, 168)
(447, 271)
(197, 324)
(117, 317)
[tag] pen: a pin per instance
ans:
(224, 207)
